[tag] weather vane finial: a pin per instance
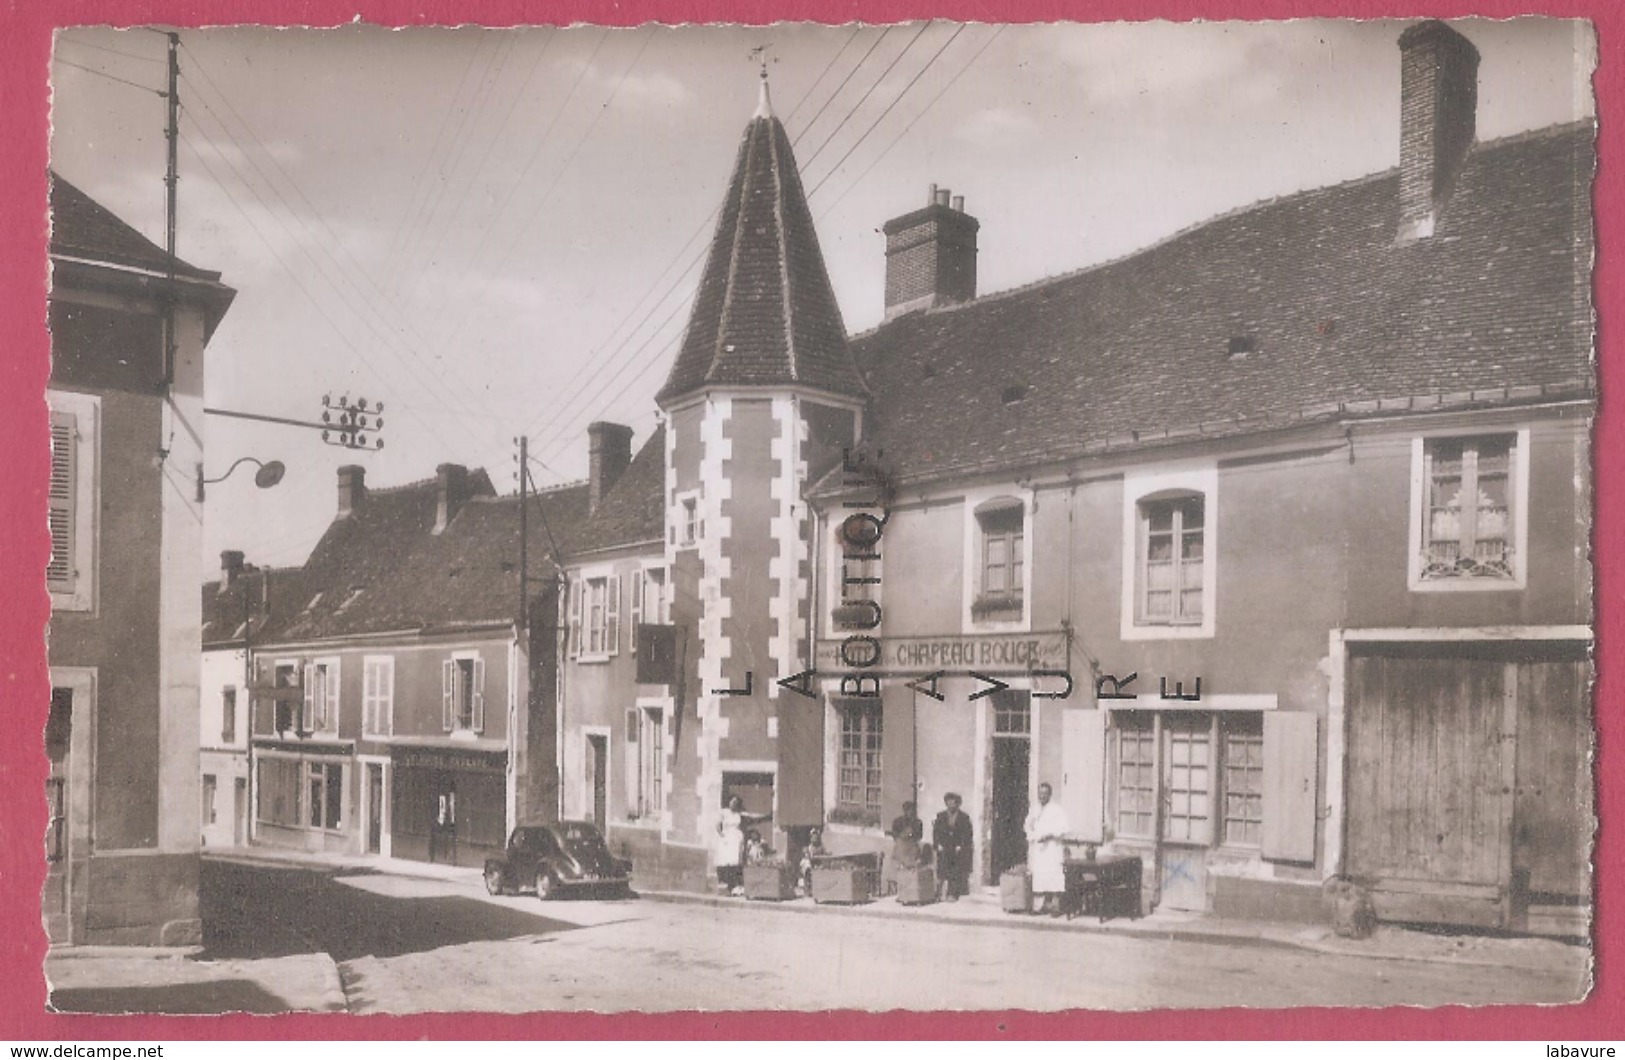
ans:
(764, 105)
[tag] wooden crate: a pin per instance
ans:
(846, 884)
(917, 886)
(770, 883)
(1016, 891)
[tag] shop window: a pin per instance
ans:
(278, 787)
(1243, 739)
(1468, 518)
(1001, 526)
(1136, 776)
(228, 715)
(324, 803)
(858, 798)
(463, 693)
(378, 695)
(71, 501)
(1171, 557)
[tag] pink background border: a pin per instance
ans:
(25, 28)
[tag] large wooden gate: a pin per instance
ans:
(1468, 781)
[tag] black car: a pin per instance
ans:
(553, 859)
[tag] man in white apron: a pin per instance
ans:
(1047, 827)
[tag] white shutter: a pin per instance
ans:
(612, 615)
(448, 694)
(634, 790)
(308, 721)
(640, 586)
(574, 591)
(1083, 772)
(479, 695)
(60, 573)
(387, 709)
(1291, 798)
(331, 721)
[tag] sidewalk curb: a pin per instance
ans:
(1082, 926)
(399, 868)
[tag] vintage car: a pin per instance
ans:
(553, 859)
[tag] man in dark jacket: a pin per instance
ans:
(951, 836)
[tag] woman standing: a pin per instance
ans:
(730, 848)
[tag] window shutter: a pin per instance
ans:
(1083, 772)
(60, 574)
(574, 591)
(332, 719)
(631, 760)
(640, 586)
(448, 694)
(387, 708)
(479, 695)
(612, 615)
(308, 721)
(1291, 798)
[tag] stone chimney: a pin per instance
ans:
(609, 451)
(1438, 118)
(454, 490)
(931, 255)
(352, 490)
(231, 568)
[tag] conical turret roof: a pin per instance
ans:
(764, 314)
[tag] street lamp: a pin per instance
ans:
(268, 475)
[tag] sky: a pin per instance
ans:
(498, 232)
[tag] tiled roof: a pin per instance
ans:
(633, 512)
(764, 313)
(1301, 306)
(83, 228)
(383, 569)
(248, 604)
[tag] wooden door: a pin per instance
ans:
(1552, 809)
(598, 783)
(375, 809)
(1428, 782)
(239, 811)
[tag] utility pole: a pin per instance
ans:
(172, 133)
(524, 552)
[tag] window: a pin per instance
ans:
(1002, 528)
(1243, 736)
(598, 614)
(1136, 775)
(277, 802)
(286, 676)
(228, 715)
(71, 500)
(690, 526)
(1467, 522)
(322, 696)
(650, 601)
(209, 816)
(1189, 779)
(378, 695)
(858, 781)
(1171, 561)
(324, 803)
(463, 694)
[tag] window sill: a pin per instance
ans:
(1167, 631)
(853, 818)
(1002, 609)
(595, 659)
(1467, 585)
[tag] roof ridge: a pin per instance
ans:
(1479, 146)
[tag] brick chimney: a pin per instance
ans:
(231, 568)
(609, 451)
(454, 490)
(931, 255)
(1438, 118)
(352, 490)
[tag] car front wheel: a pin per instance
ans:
(493, 880)
(545, 888)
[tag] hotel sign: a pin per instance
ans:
(989, 653)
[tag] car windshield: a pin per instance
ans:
(530, 839)
(581, 839)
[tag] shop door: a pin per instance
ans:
(375, 809)
(58, 733)
(239, 811)
(1187, 810)
(1429, 788)
(597, 781)
(1012, 759)
(443, 822)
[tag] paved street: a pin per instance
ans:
(404, 944)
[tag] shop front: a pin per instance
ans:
(303, 797)
(449, 805)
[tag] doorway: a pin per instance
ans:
(443, 822)
(597, 783)
(1012, 761)
(239, 811)
(375, 809)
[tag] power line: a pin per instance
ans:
(840, 87)
(824, 73)
(103, 73)
(64, 39)
(869, 92)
